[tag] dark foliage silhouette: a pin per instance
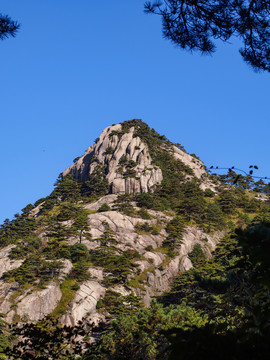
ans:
(195, 24)
(8, 27)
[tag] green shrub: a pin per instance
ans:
(56, 250)
(197, 256)
(18, 229)
(116, 262)
(98, 184)
(175, 229)
(227, 202)
(80, 272)
(75, 287)
(117, 304)
(155, 230)
(143, 227)
(123, 160)
(25, 247)
(209, 193)
(104, 207)
(129, 173)
(109, 150)
(144, 214)
(214, 218)
(67, 211)
(78, 253)
(123, 204)
(145, 200)
(33, 270)
(131, 164)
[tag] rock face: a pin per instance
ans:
(84, 303)
(128, 165)
(126, 161)
(117, 154)
(6, 263)
(30, 305)
(39, 303)
(156, 270)
(195, 164)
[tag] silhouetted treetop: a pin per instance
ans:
(8, 27)
(194, 24)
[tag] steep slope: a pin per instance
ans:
(125, 158)
(149, 271)
(121, 223)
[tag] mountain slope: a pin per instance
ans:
(121, 223)
(123, 154)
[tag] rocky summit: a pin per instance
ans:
(122, 225)
(129, 166)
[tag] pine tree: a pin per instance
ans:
(8, 27)
(195, 24)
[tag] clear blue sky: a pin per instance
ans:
(78, 66)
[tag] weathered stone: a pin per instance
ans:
(147, 175)
(96, 274)
(33, 306)
(107, 199)
(6, 263)
(84, 303)
(194, 236)
(67, 267)
(6, 290)
(155, 270)
(122, 290)
(195, 164)
(156, 258)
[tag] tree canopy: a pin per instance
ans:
(8, 27)
(195, 24)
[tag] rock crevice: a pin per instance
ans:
(129, 168)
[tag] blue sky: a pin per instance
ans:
(76, 67)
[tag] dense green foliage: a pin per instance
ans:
(19, 228)
(117, 263)
(48, 339)
(227, 314)
(26, 246)
(123, 204)
(234, 283)
(175, 229)
(104, 207)
(140, 336)
(5, 338)
(197, 256)
(119, 305)
(34, 270)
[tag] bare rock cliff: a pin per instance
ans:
(128, 165)
(115, 153)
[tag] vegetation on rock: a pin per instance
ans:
(223, 300)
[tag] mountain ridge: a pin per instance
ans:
(120, 149)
